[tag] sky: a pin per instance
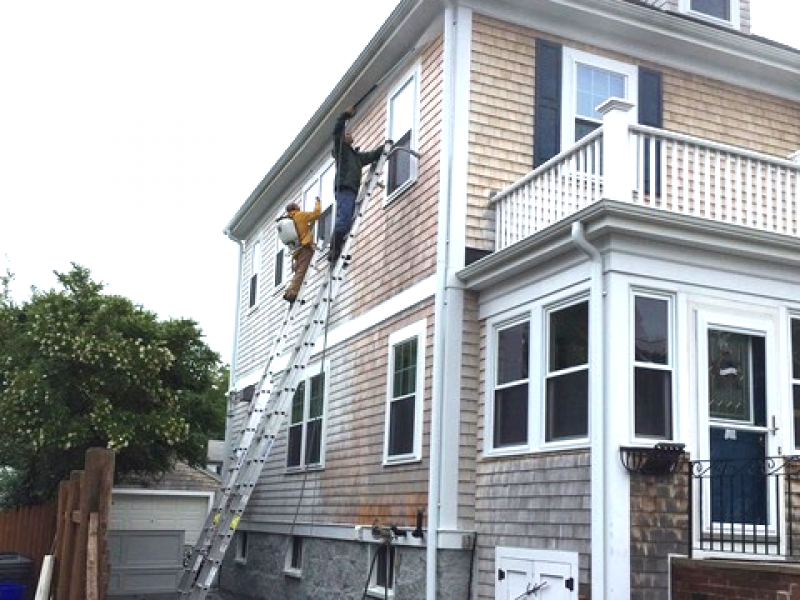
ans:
(131, 131)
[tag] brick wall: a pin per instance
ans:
(659, 527)
(729, 580)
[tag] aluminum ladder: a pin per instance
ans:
(268, 411)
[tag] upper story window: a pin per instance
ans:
(255, 267)
(306, 424)
(403, 440)
(795, 335)
(567, 375)
(511, 388)
(588, 81)
(724, 11)
(403, 119)
(281, 253)
(652, 367)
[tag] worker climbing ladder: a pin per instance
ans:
(269, 408)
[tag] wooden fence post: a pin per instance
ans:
(66, 554)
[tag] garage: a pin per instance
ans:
(150, 532)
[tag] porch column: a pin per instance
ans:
(618, 166)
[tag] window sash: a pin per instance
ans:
(402, 113)
(653, 385)
(304, 445)
(384, 578)
(719, 9)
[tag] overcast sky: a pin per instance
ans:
(132, 130)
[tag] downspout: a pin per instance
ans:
(440, 302)
(597, 414)
(237, 319)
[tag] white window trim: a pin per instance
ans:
(241, 546)
(670, 366)
(491, 376)
(547, 310)
(412, 75)
(793, 316)
(375, 590)
(310, 372)
(256, 269)
(288, 569)
(685, 6)
(286, 274)
(415, 330)
(570, 61)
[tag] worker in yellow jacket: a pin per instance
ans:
(302, 255)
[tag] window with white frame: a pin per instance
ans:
(281, 254)
(403, 112)
(567, 376)
(589, 80)
(511, 385)
(294, 557)
(795, 335)
(306, 424)
(255, 267)
(324, 226)
(721, 11)
(383, 571)
(240, 552)
(405, 387)
(652, 366)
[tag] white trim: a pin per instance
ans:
(312, 371)
(375, 590)
(288, 569)
(793, 439)
(256, 270)
(411, 76)
(570, 61)
(685, 6)
(636, 292)
(417, 331)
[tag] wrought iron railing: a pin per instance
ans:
(745, 507)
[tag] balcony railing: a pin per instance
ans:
(745, 507)
(656, 168)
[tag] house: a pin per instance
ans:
(565, 360)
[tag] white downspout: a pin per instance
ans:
(598, 429)
(441, 302)
(237, 319)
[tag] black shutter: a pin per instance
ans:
(547, 109)
(651, 108)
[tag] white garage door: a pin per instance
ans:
(160, 511)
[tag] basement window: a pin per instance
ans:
(294, 557)
(240, 551)
(383, 571)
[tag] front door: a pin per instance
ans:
(738, 416)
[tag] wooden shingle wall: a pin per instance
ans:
(354, 487)
(501, 119)
(396, 245)
(470, 399)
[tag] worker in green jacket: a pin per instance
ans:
(302, 255)
(349, 163)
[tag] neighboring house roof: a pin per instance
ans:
(182, 477)
(666, 38)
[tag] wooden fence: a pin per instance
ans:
(30, 531)
(75, 530)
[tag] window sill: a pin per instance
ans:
(401, 460)
(379, 592)
(293, 573)
(240, 561)
(550, 448)
(252, 309)
(304, 469)
(390, 198)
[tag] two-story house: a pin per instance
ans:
(565, 361)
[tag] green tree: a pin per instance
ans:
(80, 368)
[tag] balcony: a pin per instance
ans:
(745, 508)
(655, 168)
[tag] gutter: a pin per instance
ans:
(598, 429)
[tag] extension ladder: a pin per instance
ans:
(269, 408)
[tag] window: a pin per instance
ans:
(567, 378)
(402, 111)
(280, 262)
(255, 267)
(725, 11)
(324, 226)
(240, 552)
(403, 439)
(652, 367)
(305, 427)
(588, 81)
(795, 334)
(294, 557)
(510, 410)
(382, 580)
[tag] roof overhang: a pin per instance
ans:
(628, 27)
(610, 217)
